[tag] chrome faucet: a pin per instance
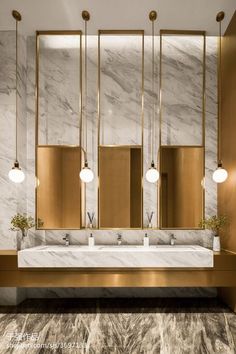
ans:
(172, 239)
(67, 240)
(119, 238)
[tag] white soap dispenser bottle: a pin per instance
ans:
(91, 240)
(146, 240)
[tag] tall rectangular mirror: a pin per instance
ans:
(182, 187)
(60, 195)
(120, 187)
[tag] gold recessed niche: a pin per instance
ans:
(59, 157)
(120, 167)
(182, 167)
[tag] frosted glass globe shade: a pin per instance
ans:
(220, 175)
(86, 175)
(152, 175)
(16, 175)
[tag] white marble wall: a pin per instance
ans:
(177, 59)
(12, 196)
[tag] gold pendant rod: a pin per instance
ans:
(219, 17)
(17, 16)
(86, 18)
(153, 17)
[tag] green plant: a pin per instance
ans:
(214, 223)
(22, 222)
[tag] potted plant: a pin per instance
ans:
(215, 224)
(23, 223)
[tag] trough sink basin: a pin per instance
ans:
(73, 256)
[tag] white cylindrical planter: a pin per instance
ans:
(216, 244)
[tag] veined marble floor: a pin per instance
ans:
(127, 326)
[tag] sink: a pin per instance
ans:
(125, 256)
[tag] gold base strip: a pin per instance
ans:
(157, 278)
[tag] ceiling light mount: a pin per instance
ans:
(220, 16)
(16, 15)
(153, 15)
(85, 15)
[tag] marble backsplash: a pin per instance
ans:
(116, 84)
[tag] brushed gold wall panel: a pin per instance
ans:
(182, 194)
(227, 190)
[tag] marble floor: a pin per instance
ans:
(127, 326)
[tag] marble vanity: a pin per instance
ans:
(160, 256)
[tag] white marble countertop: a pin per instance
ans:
(73, 256)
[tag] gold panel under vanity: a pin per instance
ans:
(60, 193)
(120, 187)
(182, 186)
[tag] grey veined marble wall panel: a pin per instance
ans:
(120, 89)
(12, 196)
(59, 89)
(182, 90)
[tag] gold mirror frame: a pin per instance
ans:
(183, 33)
(82, 187)
(125, 33)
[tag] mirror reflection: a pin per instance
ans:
(60, 194)
(182, 190)
(120, 187)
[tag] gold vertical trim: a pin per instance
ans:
(107, 33)
(142, 126)
(183, 33)
(36, 122)
(98, 128)
(81, 93)
(204, 124)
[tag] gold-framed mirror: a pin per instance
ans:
(182, 150)
(120, 129)
(60, 195)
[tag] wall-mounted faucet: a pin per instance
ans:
(67, 240)
(172, 239)
(119, 238)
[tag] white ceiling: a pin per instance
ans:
(116, 14)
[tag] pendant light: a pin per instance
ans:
(86, 174)
(220, 174)
(152, 174)
(16, 175)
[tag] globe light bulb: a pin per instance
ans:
(220, 174)
(152, 175)
(16, 175)
(86, 174)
